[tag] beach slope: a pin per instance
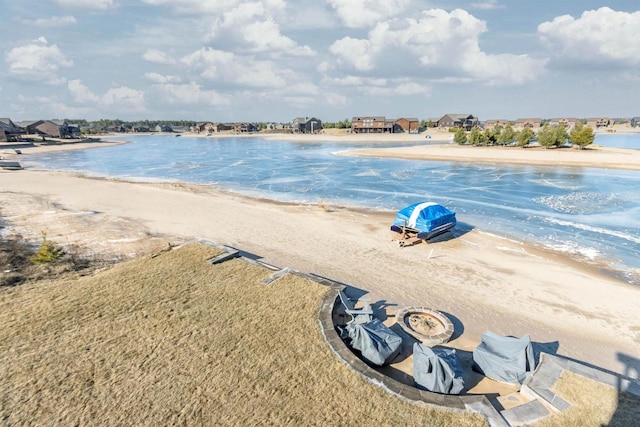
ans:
(482, 282)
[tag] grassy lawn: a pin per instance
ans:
(173, 340)
(593, 404)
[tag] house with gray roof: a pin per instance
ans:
(306, 125)
(464, 121)
(9, 131)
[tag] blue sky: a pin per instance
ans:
(273, 60)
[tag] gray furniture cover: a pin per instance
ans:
(437, 369)
(506, 359)
(377, 343)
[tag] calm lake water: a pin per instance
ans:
(592, 214)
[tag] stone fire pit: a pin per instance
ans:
(426, 325)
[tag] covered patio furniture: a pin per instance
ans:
(437, 369)
(506, 359)
(377, 344)
(358, 315)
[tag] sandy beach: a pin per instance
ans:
(600, 157)
(482, 281)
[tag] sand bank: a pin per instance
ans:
(8, 150)
(599, 157)
(482, 281)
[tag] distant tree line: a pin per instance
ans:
(548, 136)
(110, 123)
(344, 124)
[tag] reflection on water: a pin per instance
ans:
(593, 214)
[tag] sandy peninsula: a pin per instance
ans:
(599, 157)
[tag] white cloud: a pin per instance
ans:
(367, 13)
(602, 35)
(303, 88)
(87, 4)
(121, 98)
(352, 80)
(124, 98)
(486, 5)
(195, 7)
(378, 86)
(38, 62)
(229, 68)
(207, 61)
(46, 106)
(189, 94)
(81, 93)
(213, 7)
(158, 57)
(402, 88)
(437, 42)
(334, 99)
(54, 21)
(252, 27)
(357, 52)
(160, 79)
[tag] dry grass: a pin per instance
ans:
(17, 268)
(174, 340)
(593, 404)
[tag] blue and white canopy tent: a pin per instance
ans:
(423, 221)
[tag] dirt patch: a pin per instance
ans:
(90, 240)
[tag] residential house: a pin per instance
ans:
(494, 123)
(9, 131)
(306, 125)
(533, 124)
(53, 129)
(203, 127)
(141, 128)
(464, 121)
(635, 122)
(599, 122)
(198, 128)
(371, 124)
(116, 129)
(245, 128)
(408, 125)
(567, 122)
(163, 128)
(74, 130)
(221, 127)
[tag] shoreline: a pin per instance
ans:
(414, 152)
(592, 157)
(486, 282)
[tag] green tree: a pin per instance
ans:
(506, 136)
(547, 136)
(475, 136)
(497, 130)
(581, 136)
(346, 123)
(488, 137)
(48, 252)
(460, 137)
(561, 135)
(524, 137)
(431, 124)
